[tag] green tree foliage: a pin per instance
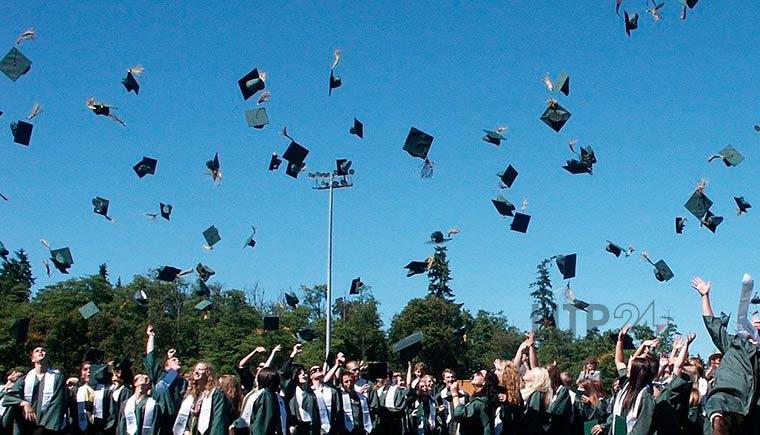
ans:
(439, 274)
(16, 279)
(487, 337)
(546, 307)
(358, 329)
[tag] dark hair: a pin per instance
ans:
(269, 378)
(297, 369)
(554, 377)
(643, 371)
(490, 388)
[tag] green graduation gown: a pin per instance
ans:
(390, 420)
(425, 407)
(6, 414)
(265, 418)
(561, 412)
(121, 428)
(220, 418)
(475, 418)
(168, 397)
(536, 419)
(54, 417)
(117, 397)
(645, 424)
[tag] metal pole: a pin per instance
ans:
(328, 328)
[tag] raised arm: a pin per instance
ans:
(703, 288)
(619, 354)
(517, 360)
(532, 355)
(150, 345)
(409, 374)
(247, 359)
(271, 356)
(683, 354)
(339, 359)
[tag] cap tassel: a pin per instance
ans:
(265, 97)
(571, 143)
(629, 251)
(524, 205)
(136, 70)
(336, 58)
(45, 243)
(646, 258)
(36, 110)
(47, 268)
(207, 247)
(427, 169)
(285, 133)
(26, 36)
(547, 80)
(151, 216)
(452, 232)
(117, 119)
(701, 185)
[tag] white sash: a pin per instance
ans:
(324, 415)
(390, 397)
(497, 423)
(348, 418)
(430, 415)
(82, 407)
(632, 417)
(116, 393)
(205, 418)
(182, 416)
(3, 408)
(326, 393)
(302, 414)
(248, 401)
(97, 403)
(47, 392)
(148, 416)
(283, 415)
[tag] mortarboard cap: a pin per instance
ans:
(306, 335)
(698, 204)
(729, 155)
(271, 323)
(251, 83)
(438, 237)
(691, 3)
(356, 286)
(140, 297)
(130, 83)
(416, 267)
(249, 241)
(494, 137)
(203, 289)
(711, 221)
(662, 271)
(3, 252)
(100, 206)
(292, 300)
(88, 310)
(614, 249)
(146, 166)
(168, 274)
(295, 155)
(343, 167)
(377, 370)
(563, 83)
(20, 330)
(631, 22)
(566, 265)
(627, 341)
(256, 118)
(755, 300)
(504, 207)
(520, 223)
(124, 363)
(742, 205)
(508, 176)
(680, 223)
(335, 82)
(418, 143)
(357, 129)
(577, 303)
(211, 234)
(409, 347)
(294, 169)
(214, 166)
(22, 132)
(15, 64)
(62, 259)
(575, 167)
(555, 116)
(204, 272)
(275, 162)
(166, 210)
(202, 305)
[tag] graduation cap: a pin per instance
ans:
(418, 143)
(680, 224)
(729, 155)
(356, 286)
(100, 206)
(203, 305)
(203, 289)
(438, 237)
(20, 329)
(508, 176)
(211, 234)
(295, 155)
(252, 83)
(271, 323)
(698, 204)
(755, 299)
(614, 249)
(22, 132)
(249, 241)
(566, 265)
(377, 370)
(204, 272)
(577, 303)
(631, 22)
(661, 270)
(62, 259)
(214, 168)
(357, 129)
(742, 205)
(88, 310)
(168, 274)
(15, 64)
(274, 162)
(256, 118)
(335, 81)
(495, 136)
(166, 210)
(562, 84)
(306, 335)
(3, 252)
(520, 223)
(130, 80)
(124, 363)
(504, 207)
(555, 116)
(343, 167)
(690, 4)
(140, 297)
(292, 300)
(146, 166)
(627, 341)
(711, 221)
(577, 167)
(103, 109)
(409, 347)
(417, 267)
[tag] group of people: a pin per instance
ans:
(655, 393)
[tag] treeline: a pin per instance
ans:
(233, 325)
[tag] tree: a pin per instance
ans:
(545, 312)
(439, 274)
(358, 329)
(488, 336)
(16, 278)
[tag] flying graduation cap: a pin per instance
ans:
(656, 11)
(562, 84)
(335, 81)
(508, 176)
(357, 129)
(343, 167)
(3, 252)
(214, 168)
(566, 265)
(146, 166)
(690, 4)
(61, 258)
(495, 136)
(306, 335)
(661, 270)
(521, 220)
(22, 130)
(417, 144)
(437, 237)
(295, 156)
(698, 203)
(555, 116)
(616, 249)
(409, 347)
(203, 305)
(585, 164)
(631, 22)
(100, 206)
(418, 267)
(88, 310)
(130, 80)
(170, 274)
(250, 241)
(103, 109)
(680, 224)
(503, 206)
(742, 205)
(275, 162)
(211, 234)
(204, 272)
(256, 117)
(251, 83)
(711, 221)
(729, 155)
(140, 297)
(292, 300)
(577, 303)
(356, 286)
(15, 64)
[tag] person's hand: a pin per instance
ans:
(365, 389)
(690, 338)
(585, 399)
(277, 348)
(150, 331)
(454, 389)
(651, 343)
(259, 350)
(340, 359)
(702, 287)
(664, 361)
(623, 331)
(170, 354)
(597, 430)
(499, 364)
(29, 414)
(296, 350)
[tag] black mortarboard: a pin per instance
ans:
(62, 259)
(211, 234)
(729, 155)
(166, 210)
(203, 289)
(691, 3)
(755, 299)
(377, 370)
(627, 341)
(357, 129)
(168, 274)
(508, 176)
(356, 286)
(343, 167)
(20, 329)
(3, 252)
(15, 64)
(563, 83)
(100, 206)
(418, 143)
(504, 207)
(140, 297)
(711, 221)
(577, 303)
(416, 267)
(438, 237)
(292, 300)
(203, 305)
(698, 204)
(251, 83)
(742, 205)
(680, 223)
(22, 132)
(306, 335)
(124, 363)
(204, 272)
(214, 167)
(93, 356)
(575, 167)
(249, 241)
(146, 166)
(335, 82)
(88, 310)
(271, 323)
(614, 249)
(631, 22)
(555, 116)
(275, 162)
(130, 83)
(494, 136)
(566, 265)
(409, 347)
(256, 118)
(295, 155)
(662, 271)
(520, 223)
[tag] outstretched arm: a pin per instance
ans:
(331, 373)
(619, 355)
(517, 360)
(703, 288)
(247, 359)
(151, 343)
(683, 354)
(409, 374)
(271, 356)
(532, 355)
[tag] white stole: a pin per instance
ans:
(390, 397)
(97, 403)
(182, 416)
(326, 393)
(632, 417)
(248, 401)
(324, 414)
(302, 414)
(82, 407)
(148, 416)
(47, 392)
(115, 394)
(204, 419)
(3, 408)
(348, 418)
(497, 423)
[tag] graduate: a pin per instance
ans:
(510, 407)
(589, 372)
(354, 412)
(80, 401)
(560, 408)
(205, 410)
(6, 411)
(392, 406)
(537, 396)
(168, 385)
(248, 379)
(233, 392)
(423, 413)
(308, 412)
(265, 411)
(122, 380)
(326, 393)
(672, 408)
(477, 416)
(40, 397)
(140, 413)
(591, 406)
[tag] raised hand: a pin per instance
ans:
(690, 338)
(259, 350)
(150, 331)
(702, 287)
(623, 331)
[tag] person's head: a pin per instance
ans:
(260, 366)
(201, 379)
(567, 379)
(420, 370)
(230, 386)
(554, 376)
(698, 366)
(38, 355)
(122, 376)
(316, 374)
(14, 374)
(590, 390)
(715, 359)
(449, 377)
(510, 382)
(477, 380)
(354, 368)
(425, 385)
(591, 364)
(141, 383)
(489, 387)
(172, 363)
(269, 379)
(84, 372)
(616, 385)
(347, 380)
(399, 379)
(537, 381)
(300, 375)
(642, 372)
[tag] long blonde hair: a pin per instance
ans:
(230, 385)
(540, 383)
(195, 390)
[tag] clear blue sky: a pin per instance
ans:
(654, 107)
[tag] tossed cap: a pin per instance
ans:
(306, 335)
(356, 286)
(166, 210)
(418, 143)
(256, 118)
(292, 300)
(711, 221)
(729, 155)
(214, 168)
(203, 305)
(614, 249)
(62, 259)
(335, 81)
(343, 167)
(271, 323)
(274, 162)
(555, 116)
(680, 224)
(495, 136)
(377, 370)
(211, 234)
(88, 310)
(409, 347)
(168, 274)
(20, 329)
(631, 22)
(146, 166)
(508, 176)
(417, 267)
(520, 223)
(566, 265)
(15, 64)
(698, 204)
(437, 237)
(742, 205)
(251, 83)
(22, 132)
(504, 207)
(140, 297)
(357, 129)
(100, 206)
(130, 80)
(250, 241)
(204, 272)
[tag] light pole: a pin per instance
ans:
(337, 179)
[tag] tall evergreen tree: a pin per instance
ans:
(16, 278)
(544, 313)
(439, 275)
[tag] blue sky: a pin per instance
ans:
(653, 106)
